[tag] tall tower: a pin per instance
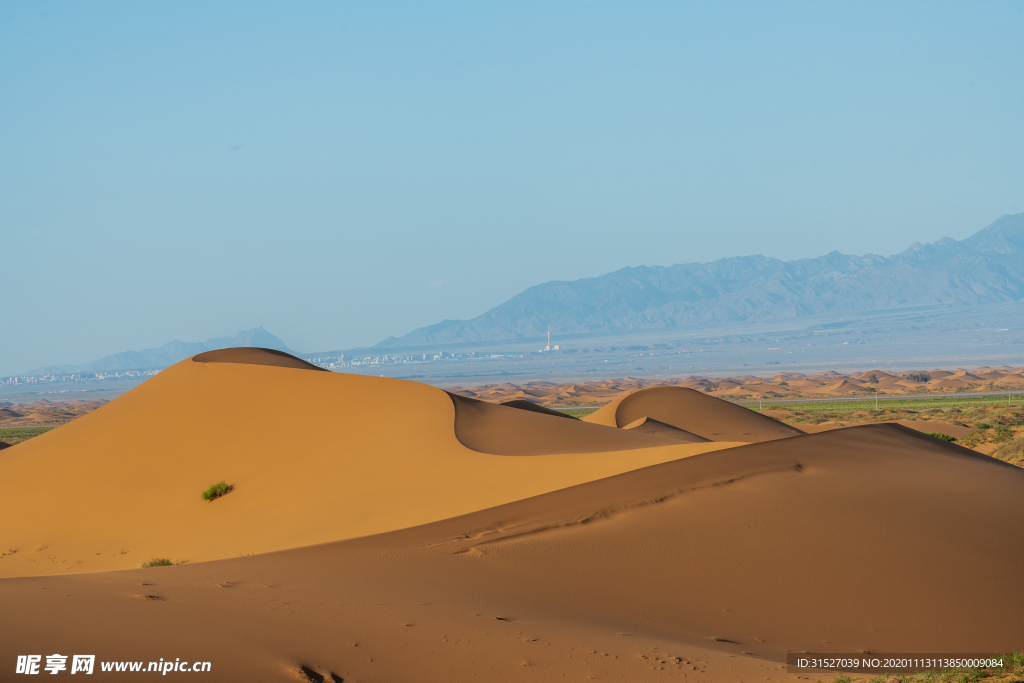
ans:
(548, 347)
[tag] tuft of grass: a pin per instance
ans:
(217, 490)
(944, 437)
(157, 562)
(161, 562)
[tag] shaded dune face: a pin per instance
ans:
(523, 404)
(790, 544)
(647, 425)
(251, 355)
(503, 430)
(695, 412)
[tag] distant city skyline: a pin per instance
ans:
(339, 174)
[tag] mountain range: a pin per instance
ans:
(986, 268)
(168, 354)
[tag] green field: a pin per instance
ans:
(578, 412)
(13, 435)
(897, 404)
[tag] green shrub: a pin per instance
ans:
(158, 562)
(944, 437)
(919, 377)
(217, 490)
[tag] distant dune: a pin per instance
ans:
(695, 412)
(784, 385)
(390, 531)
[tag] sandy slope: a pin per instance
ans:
(695, 412)
(870, 538)
(314, 456)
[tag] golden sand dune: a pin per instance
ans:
(695, 412)
(313, 456)
(872, 539)
(502, 430)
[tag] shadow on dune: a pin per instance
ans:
(647, 425)
(523, 404)
(504, 430)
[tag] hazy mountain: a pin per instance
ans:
(168, 354)
(987, 267)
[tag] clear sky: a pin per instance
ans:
(339, 172)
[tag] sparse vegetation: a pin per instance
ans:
(217, 490)
(993, 419)
(1011, 452)
(944, 437)
(161, 562)
(919, 377)
(157, 562)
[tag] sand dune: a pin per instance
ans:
(390, 531)
(502, 430)
(778, 546)
(695, 412)
(314, 457)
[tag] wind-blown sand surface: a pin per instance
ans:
(438, 560)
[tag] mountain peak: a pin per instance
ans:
(987, 267)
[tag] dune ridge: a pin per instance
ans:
(695, 412)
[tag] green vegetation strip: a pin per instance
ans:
(578, 412)
(23, 432)
(961, 402)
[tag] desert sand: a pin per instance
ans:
(397, 532)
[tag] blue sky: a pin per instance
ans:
(339, 173)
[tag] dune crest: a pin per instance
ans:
(695, 412)
(252, 355)
(503, 430)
